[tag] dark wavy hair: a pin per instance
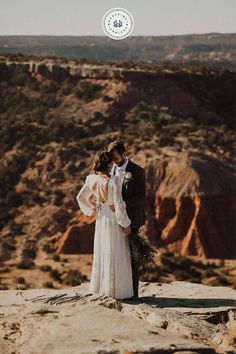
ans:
(116, 146)
(101, 161)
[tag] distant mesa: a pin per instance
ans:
(214, 48)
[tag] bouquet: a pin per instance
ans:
(141, 251)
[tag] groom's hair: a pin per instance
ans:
(116, 146)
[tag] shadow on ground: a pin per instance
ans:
(181, 302)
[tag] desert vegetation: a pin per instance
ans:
(51, 126)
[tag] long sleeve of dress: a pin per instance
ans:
(83, 199)
(120, 206)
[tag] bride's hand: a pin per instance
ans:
(112, 207)
(94, 207)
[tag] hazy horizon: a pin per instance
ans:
(89, 35)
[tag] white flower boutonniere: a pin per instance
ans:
(127, 176)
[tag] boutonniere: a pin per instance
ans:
(127, 176)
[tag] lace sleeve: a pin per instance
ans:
(120, 206)
(83, 199)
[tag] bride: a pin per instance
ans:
(111, 270)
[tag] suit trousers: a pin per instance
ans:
(135, 269)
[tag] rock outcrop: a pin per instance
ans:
(191, 205)
(77, 239)
(179, 317)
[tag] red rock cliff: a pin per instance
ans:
(191, 205)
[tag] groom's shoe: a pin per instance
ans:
(135, 297)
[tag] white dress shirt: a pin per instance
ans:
(120, 170)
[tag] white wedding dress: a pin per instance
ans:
(111, 270)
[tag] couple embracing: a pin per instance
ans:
(118, 185)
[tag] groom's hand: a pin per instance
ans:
(126, 230)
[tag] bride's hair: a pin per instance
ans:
(101, 161)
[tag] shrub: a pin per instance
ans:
(67, 88)
(45, 268)
(48, 284)
(19, 78)
(74, 277)
(20, 280)
(39, 112)
(32, 197)
(54, 273)
(48, 100)
(13, 199)
(107, 98)
(10, 174)
(208, 273)
(87, 91)
(48, 88)
(56, 258)
(166, 140)
(26, 264)
(12, 100)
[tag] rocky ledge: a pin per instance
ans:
(179, 317)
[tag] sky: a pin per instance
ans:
(84, 17)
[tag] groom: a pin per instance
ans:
(133, 193)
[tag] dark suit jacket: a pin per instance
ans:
(133, 193)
